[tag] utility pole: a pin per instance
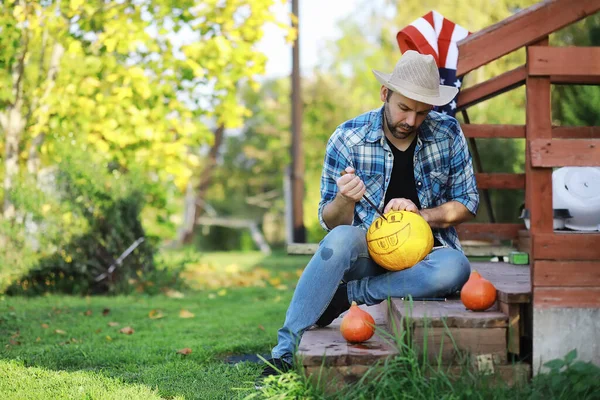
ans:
(297, 170)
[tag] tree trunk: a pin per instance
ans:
(13, 124)
(189, 223)
(33, 159)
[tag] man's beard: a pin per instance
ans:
(395, 129)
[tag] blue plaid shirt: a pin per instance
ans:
(442, 167)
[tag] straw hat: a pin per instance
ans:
(416, 76)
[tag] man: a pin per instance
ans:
(403, 156)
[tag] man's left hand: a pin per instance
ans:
(401, 204)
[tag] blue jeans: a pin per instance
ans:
(343, 255)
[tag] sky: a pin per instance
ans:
(318, 23)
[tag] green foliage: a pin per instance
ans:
(105, 206)
(287, 386)
(576, 105)
(568, 378)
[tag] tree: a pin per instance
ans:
(137, 81)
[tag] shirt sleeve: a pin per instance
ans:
(462, 186)
(337, 158)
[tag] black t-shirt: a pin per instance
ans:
(402, 181)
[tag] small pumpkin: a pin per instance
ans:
(478, 294)
(401, 241)
(357, 325)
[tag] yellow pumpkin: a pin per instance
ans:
(401, 241)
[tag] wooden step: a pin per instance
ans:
(326, 346)
(442, 330)
(449, 332)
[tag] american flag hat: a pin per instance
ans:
(438, 36)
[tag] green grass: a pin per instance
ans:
(93, 360)
(62, 347)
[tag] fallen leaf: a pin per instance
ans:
(277, 299)
(262, 328)
(127, 330)
(88, 313)
(14, 342)
(155, 314)
(113, 324)
(45, 326)
(108, 338)
(98, 330)
(222, 292)
(186, 314)
(174, 294)
(185, 351)
(275, 281)
(16, 334)
(38, 339)
(106, 311)
(60, 331)
(74, 340)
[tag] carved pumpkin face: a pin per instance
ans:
(401, 241)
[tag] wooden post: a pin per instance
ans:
(297, 172)
(538, 181)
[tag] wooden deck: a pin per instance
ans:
(441, 328)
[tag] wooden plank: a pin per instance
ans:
(567, 297)
(334, 379)
(500, 181)
(510, 374)
(450, 313)
(563, 152)
(491, 88)
(510, 80)
(538, 182)
(513, 333)
(513, 282)
(486, 251)
(480, 131)
(302, 248)
(471, 251)
(328, 346)
(578, 246)
(576, 132)
(574, 80)
(566, 61)
(566, 273)
(523, 28)
(488, 231)
(493, 131)
(454, 345)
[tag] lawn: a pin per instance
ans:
(182, 344)
(73, 347)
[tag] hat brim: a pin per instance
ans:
(447, 93)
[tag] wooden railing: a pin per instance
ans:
(544, 66)
(565, 265)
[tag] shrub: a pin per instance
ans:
(94, 218)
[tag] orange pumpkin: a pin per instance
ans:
(357, 325)
(478, 294)
(401, 241)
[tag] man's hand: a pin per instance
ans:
(350, 187)
(401, 204)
